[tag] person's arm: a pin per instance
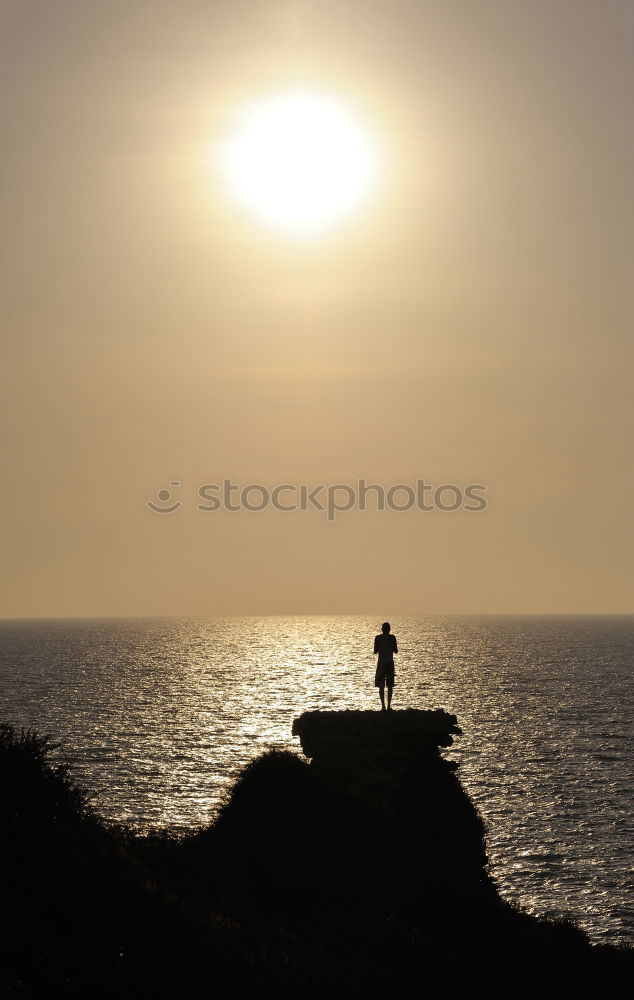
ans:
(394, 644)
(376, 643)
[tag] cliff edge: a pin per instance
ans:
(361, 872)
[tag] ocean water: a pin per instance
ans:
(160, 715)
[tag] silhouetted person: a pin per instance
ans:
(385, 646)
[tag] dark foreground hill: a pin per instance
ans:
(361, 873)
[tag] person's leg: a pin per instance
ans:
(382, 696)
(389, 695)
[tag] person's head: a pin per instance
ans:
(385, 627)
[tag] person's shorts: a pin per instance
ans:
(384, 675)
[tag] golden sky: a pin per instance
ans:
(470, 323)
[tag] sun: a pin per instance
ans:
(300, 161)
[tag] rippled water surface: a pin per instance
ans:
(161, 714)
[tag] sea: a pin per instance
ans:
(159, 715)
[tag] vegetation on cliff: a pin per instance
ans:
(362, 871)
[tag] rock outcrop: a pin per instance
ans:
(362, 872)
(396, 736)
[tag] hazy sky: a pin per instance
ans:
(471, 325)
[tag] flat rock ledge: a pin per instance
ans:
(402, 734)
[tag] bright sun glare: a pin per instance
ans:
(300, 161)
